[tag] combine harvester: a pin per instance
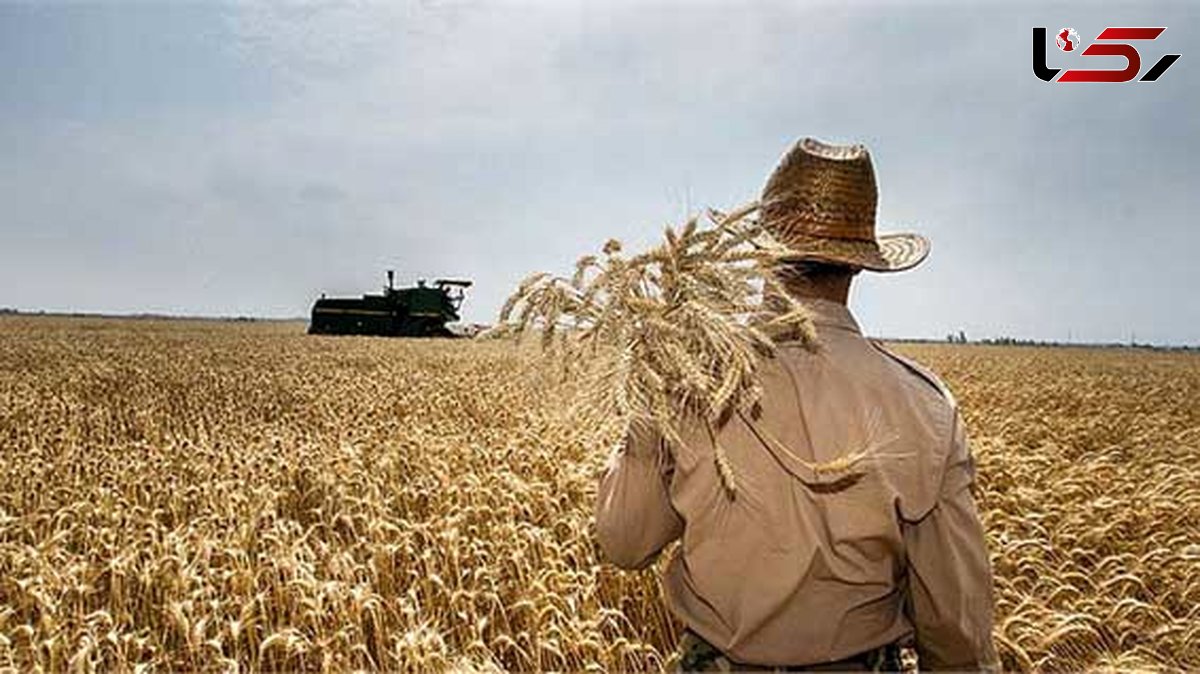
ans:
(419, 311)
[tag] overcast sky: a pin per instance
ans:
(241, 159)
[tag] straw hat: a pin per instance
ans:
(820, 201)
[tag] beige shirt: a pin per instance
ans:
(801, 568)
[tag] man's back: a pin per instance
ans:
(804, 565)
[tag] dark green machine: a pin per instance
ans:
(420, 311)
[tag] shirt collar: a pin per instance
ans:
(831, 314)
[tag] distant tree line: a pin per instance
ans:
(960, 338)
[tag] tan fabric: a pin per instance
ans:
(796, 570)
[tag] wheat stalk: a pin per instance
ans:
(675, 333)
(175, 494)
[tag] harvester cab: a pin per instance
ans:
(457, 294)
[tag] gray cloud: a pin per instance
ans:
(490, 141)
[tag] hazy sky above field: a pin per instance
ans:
(239, 160)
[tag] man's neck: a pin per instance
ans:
(839, 294)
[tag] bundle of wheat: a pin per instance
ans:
(679, 331)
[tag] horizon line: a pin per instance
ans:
(1001, 340)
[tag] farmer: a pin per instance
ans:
(804, 566)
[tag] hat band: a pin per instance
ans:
(803, 224)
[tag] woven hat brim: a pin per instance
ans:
(888, 253)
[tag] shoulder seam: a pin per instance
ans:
(919, 370)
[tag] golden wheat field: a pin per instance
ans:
(229, 496)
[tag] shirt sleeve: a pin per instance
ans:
(949, 575)
(634, 516)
